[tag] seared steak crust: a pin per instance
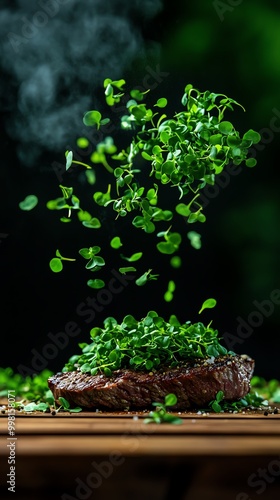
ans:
(195, 384)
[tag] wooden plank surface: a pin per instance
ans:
(153, 445)
(100, 433)
(269, 425)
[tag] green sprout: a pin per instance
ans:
(160, 414)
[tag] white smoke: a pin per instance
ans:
(54, 55)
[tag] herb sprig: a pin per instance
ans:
(144, 344)
(251, 400)
(160, 414)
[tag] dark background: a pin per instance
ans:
(49, 81)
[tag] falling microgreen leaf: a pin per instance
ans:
(176, 262)
(56, 265)
(161, 103)
(93, 223)
(124, 270)
(82, 142)
(96, 283)
(147, 276)
(195, 239)
(134, 257)
(29, 202)
(69, 159)
(208, 304)
(168, 296)
(92, 118)
(116, 243)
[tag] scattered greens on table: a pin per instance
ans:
(185, 151)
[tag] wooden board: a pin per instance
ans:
(99, 433)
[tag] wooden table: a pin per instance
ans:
(213, 453)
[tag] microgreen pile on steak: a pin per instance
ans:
(132, 364)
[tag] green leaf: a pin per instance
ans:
(96, 283)
(183, 209)
(166, 247)
(216, 407)
(253, 136)
(124, 270)
(88, 253)
(195, 239)
(92, 118)
(94, 223)
(208, 304)
(146, 156)
(233, 141)
(84, 215)
(142, 280)
(64, 402)
(116, 242)
(69, 159)
(219, 396)
(161, 103)
(134, 257)
(251, 162)
(168, 296)
(225, 127)
(137, 94)
(215, 139)
(29, 202)
(171, 286)
(75, 410)
(170, 399)
(82, 142)
(56, 265)
(176, 262)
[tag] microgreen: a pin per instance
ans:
(56, 264)
(66, 406)
(208, 304)
(29, 202)
(168, 296)
(195, 239)
(160, 414)
(268, 389)
(187, 151)
(252, 400)
(144, 345)
(31, 392)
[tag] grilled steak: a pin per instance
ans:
(195, 384)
